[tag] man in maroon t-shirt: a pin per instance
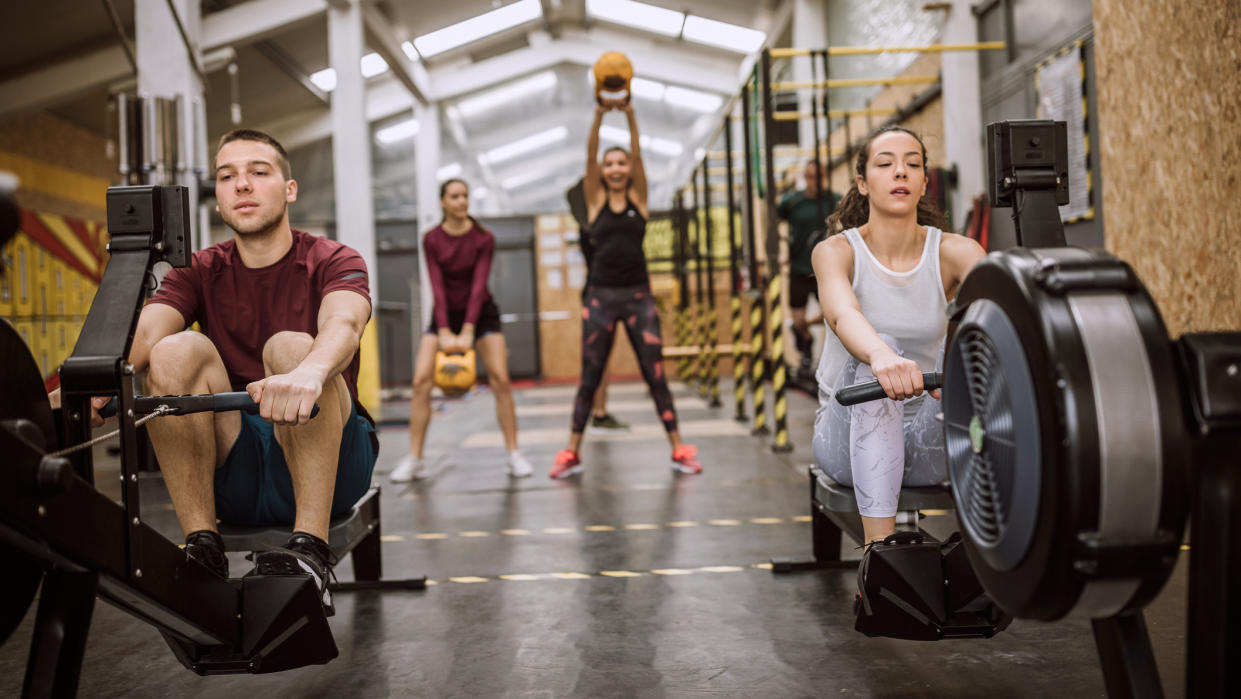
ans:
(282, 314)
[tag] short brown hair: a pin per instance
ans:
(256, 135)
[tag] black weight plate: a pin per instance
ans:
(21, 396)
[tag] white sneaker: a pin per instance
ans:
(408, 469)
(518, 467)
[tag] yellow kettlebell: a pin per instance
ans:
(613, 71)
(455, 372)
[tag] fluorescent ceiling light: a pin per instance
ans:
(324, 79)
(637, 14)
(538, 82)
(373, 64)
(398, 131)
(693, 99)
(410, 52)
(524, 145)
(722, 34)
(661, 146)
(523, 179)
(478, 193)
(448, 171)
(647, 89)
(475, 28)
(612, 133)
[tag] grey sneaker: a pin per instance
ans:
(607, 424)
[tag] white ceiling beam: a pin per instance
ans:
(385, 97)
(63, 81)
(256, 19)
(381, 39)
(678, 64)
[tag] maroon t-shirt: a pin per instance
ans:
(458, 266)
(239, 308)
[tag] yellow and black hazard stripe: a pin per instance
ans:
(758, 366)
(775, 322)
(738, 360)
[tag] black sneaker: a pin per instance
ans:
(607, 424)
(206, 547)
(304, 554)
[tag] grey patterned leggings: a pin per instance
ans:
(874, 447)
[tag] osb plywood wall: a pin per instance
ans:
(1169, 94)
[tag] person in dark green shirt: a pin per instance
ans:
(806, 211)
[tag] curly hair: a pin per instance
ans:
(854, 209)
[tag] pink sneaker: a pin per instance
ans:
(684, 459)
(567, 464)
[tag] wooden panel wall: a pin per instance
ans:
(1169, 90)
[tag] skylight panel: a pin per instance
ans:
(476, 28)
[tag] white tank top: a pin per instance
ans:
(909, 306)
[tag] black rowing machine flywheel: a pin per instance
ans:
(22, 398)
(1065, 433)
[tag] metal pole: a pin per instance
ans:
(827, 74)
(814, 108)
(758, 310)
(734, 277)
(700, 314)
(682, 263)
(712, 326)
(775, 316)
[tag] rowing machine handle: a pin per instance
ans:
(872, 390)
(214, 402)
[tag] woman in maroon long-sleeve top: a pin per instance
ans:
(458, 254)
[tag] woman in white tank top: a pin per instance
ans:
(885, 285)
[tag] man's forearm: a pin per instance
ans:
(332, 351)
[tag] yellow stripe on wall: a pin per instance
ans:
(47, 179)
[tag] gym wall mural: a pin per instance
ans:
(55, 263)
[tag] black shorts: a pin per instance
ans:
(801, 286)
(488, 320)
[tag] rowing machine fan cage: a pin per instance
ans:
(1065, 432)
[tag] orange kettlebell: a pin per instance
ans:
(613, 71)
(455, 373)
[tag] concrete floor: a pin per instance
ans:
(631, 581)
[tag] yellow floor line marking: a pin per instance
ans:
(620, 573)
(600, 528)
(763, 566)
(724, 522)
(473, 535)
(802, 518)
(1184, 547)
(672, 571)
(642, 526)
(722, 569)
(391, 537)
(934, 513)
(636, 526)
(431, 582)
(570, 576)
(681, 524)
(520, 577)
(468, 579)
(514, 532)
(767, 520)
(559, 530)
(431, 536)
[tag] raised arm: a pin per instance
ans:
(592, 184)
(637, 173)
